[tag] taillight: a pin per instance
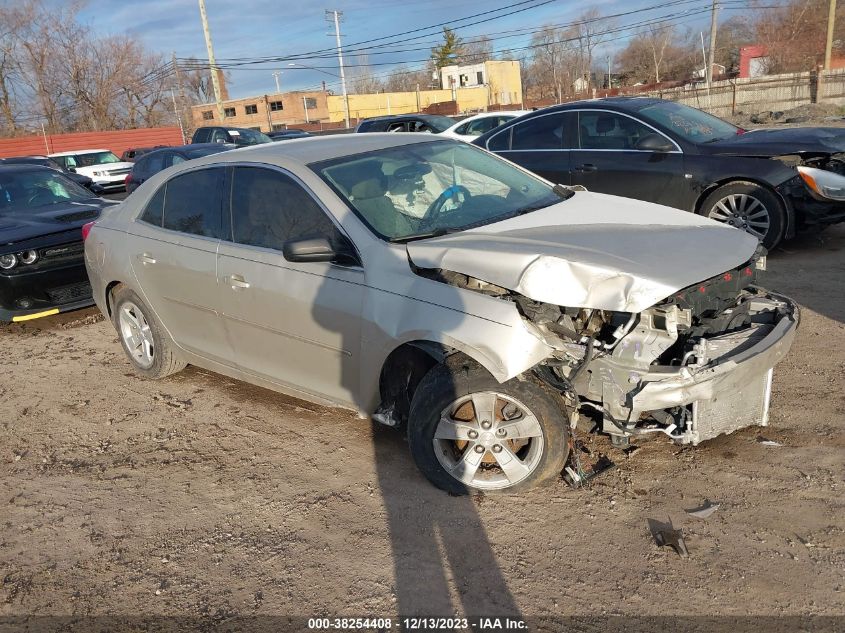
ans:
(127, 179)
(86, 229)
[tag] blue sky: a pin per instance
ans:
(249, 28)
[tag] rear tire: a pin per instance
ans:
(148, 348)
(462, 449)
(748, 206)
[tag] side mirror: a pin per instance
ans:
(73, 169)
(655, 143)
(316, 249)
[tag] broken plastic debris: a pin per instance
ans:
(704, 511)
(766, 442)
(576, 479)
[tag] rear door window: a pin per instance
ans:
(193, 203)
(542, 132)
(154, 211)
(201, 135)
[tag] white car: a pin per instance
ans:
(474, 126)
(100, 165)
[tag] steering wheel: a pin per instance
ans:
(40, 198)
(437, 205)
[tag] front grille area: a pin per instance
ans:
(70, 293)
(118, 172)
(63, 251)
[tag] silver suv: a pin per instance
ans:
(442, 290)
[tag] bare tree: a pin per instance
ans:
(361, 77)
(476, 51)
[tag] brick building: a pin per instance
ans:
(266, 112)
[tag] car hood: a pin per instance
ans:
(31, 223)
(592, 251)
(88, 170)
(777, 141)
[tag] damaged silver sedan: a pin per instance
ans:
(441, 290)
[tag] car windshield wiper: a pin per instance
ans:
(423, 236)
(564, 192)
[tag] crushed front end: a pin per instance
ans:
(694, 366)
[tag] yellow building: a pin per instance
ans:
(474, 88)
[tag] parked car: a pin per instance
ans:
(44, 161)
(474, 126)
(770, 182)
(100, 165)
(485, 320)
(154, 162)
(134, 153)
(42, 271)
(284, 135)
(239, 136)
(433, 123)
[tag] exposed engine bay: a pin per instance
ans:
(654, 371)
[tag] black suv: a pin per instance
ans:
(240, 136)
(433, 123)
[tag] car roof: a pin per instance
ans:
(29, 157)
(79, 151)
(402, 117)
(312, 149)
(12, 168)
(625, 104)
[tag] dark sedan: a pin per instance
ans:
(432, 123)
(286, 135)
(153, 162)
(46, 161)
(769, 182)
(42, 271)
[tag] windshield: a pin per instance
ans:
(26, 190)
(412, 191)
(690, 124)
(438, 123)
(249, 137)
(94, 158)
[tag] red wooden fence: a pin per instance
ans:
(117, 141)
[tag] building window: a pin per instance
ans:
(251, 109)
(228, 112)
(207, 115)
(275, 106)
(310, 103)
(479, 77)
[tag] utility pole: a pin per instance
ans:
(334, 16)
(276, 77)
(831, 15)
(178, 118)
(211, 63)
(711, 53)
(182, 98)
(608, 72)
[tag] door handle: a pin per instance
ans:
(238, 282)
(146, 258)
(586, 167)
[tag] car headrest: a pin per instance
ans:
(370, 188)
(605, 124)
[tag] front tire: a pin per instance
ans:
(748, 206)
(148, 348)
(467, 432)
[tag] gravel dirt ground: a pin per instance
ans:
(201, 497)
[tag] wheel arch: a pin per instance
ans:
(111, 287)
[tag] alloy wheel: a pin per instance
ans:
(136, 334)
(488, 440)
(744, 212)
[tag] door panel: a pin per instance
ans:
(606, 161)
(298, 324)
(294, 323)
(174, 257)
(178, 276)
